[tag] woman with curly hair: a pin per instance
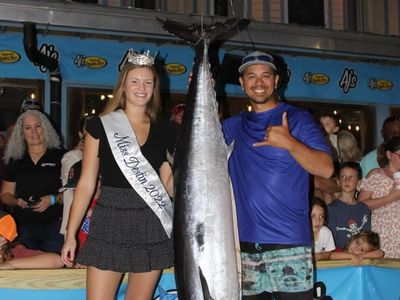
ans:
(32, 179)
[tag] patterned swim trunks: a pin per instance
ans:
(282, 270)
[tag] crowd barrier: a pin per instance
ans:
(375, 279)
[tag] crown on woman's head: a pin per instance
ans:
(140, 59)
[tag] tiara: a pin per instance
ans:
(144, 59)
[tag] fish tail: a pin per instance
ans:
(194, 33)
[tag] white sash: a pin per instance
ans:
(137, 170)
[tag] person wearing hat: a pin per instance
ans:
(17, 256)
(277, 146)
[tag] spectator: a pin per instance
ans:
(32, 180)
(177, 113)
(382, 196)
(347, 216)
(68, 160)
(17, 256)
(365, 244)
(323, 238)
(70, 185)
(376, 158)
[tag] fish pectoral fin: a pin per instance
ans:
(204, 286)
(230, 149)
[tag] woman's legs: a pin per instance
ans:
(141, 286)
(102, 285)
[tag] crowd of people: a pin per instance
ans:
(89, 207)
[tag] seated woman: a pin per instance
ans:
(31, 182)
(365, 244)
(17, 256)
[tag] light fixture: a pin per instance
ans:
(357, 128)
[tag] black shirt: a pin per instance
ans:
(37, 181)
(161, 138)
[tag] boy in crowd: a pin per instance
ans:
(347, 216)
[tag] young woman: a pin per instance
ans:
(131, 223)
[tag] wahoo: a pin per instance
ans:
(205, 243)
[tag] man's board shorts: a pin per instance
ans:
(283, 269)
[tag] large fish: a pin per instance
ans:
(206, 260)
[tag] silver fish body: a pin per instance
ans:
(206, 261)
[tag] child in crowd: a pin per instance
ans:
(17, 256)
(73, 178)
(323, 238)
(365, 244)
(347, 216)
(330, 125)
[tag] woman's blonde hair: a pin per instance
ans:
(16, 147)
(119, 100)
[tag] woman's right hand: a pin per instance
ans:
(68, 252)
(22, 203)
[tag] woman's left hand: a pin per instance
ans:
(42, 205)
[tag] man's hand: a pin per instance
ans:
(277, 136)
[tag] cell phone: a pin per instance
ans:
(32, 201)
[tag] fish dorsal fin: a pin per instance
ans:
(204, 286)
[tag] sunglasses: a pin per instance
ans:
(265, 58)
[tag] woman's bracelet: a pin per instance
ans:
(52, 199)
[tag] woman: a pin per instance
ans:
(32, 180)
(380, 194)
(131, 223)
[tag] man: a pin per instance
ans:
(390, 128)
(276, 147)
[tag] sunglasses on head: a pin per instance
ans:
(265, 58)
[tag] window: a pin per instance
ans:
(306, 12)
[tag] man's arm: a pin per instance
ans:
(315, 162)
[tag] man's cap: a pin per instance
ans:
(73, 176)
(8, 227)
(29, 104)
(257, 58)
